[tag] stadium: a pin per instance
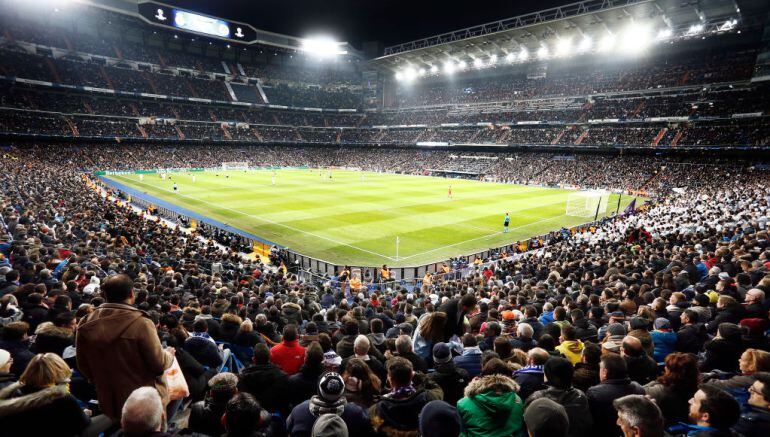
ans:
(348, 218)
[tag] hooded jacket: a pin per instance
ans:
(268, 384)
(50, 411)
(491, 407)
(118, 350)
(572, 349)
(664, 343)
(398, 416)
(51, 338)
(452, 381)
(302, 418)
(575, 403)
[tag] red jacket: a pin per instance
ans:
(289, 356)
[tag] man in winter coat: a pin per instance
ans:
(265, 381)
(118, 349)
(397, 412)
(456, 310)
(692, 335)
(530, 378)
(663, 339)
(329, 400)
(288, 355)
(470, 360)
(447, 375)
(558, 372)
(615, 383)
(491, 407)
(641, 368)
(206, 415)
(202, 347)
(756, 422)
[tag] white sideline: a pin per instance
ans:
(269, 221)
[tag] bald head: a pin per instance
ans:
(537, 356)
(632, 346)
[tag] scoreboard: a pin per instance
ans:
(175, 18)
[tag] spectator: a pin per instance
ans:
(491, 407)
(587, 370)
(712, 412)
(440, 418)
(615, 383)
(638, 416)
(546, 418)
(447, 375)
(6, 377)
(404, 350)
(266, 382)
(303, 384)
(203, 347)
(558, 375)
(470, 359)
(143, 414)
(641, 368)
(362, 386)
(675, 387)
(397, 412)
(118, 349)
(751, 362)
(692, 335)
(663, 339)
(206, 415)
(456, 310)
(16, 342)
(329, 425)
(724, 351)
(329, 400)
(531, 377)
(288, 355)
(245, 418)
(524, 337)
(569, 346)
(429, 332)
(756, 422)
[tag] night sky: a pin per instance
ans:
(357, 21)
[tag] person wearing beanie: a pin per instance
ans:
(329, 425)
(546, 418)
(447, 375)
(724, 350)
(663, 339)
(439, 418)
(329, 400)
(558, 375)
(206, 415)
(6, 377)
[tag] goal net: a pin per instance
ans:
(235, 165)
(587, 203)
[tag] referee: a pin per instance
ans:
(506, 222)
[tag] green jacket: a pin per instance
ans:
(491, 408)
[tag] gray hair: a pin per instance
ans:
(641, 412)
(548, 306)
(361, 345)
(142, 412)
(403, 344)
(525, 330)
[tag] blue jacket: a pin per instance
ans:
(470, 360)
(547, 317)
(664, 343)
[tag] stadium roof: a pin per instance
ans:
(591, 18)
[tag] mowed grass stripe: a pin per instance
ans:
(352, 221)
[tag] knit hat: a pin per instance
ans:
(440, 419)
(755, 326)
(662, 323)
(441, 353)
(713, 296)
(5, 356)
(331, 386)
(730, 331)
(545, 417)
(329, 425)
(224, 381)
(616, 329)
(701, 299)
(639, 323)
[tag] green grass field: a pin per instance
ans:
(355, 221)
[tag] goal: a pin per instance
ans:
(235, 165)
(587, 203)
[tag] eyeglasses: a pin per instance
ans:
(755, 391)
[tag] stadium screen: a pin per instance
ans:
(201, 24)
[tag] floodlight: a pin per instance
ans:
(461, 65)
(433, 69)
(563, 46)
(542, 52)
(322, 47)
(510, 57)
(492, 59)
(523, 54)
(665, 33)
(585, 44)
(635, 38)
(410, 74)
(695, 29)
(478, 62)
(421, 72)
(449, 67)
(399, 76)
(607, 43)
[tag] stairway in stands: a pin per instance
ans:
(659, 137)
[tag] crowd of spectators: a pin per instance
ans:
(112, 321)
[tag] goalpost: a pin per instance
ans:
(235, 165)
(587, 203)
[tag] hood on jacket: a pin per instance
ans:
(573, 346)
(378, 338)
(48, 328)
(495, 394)
(108, 323)
(11, 406)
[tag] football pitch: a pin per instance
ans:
(355, 217)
